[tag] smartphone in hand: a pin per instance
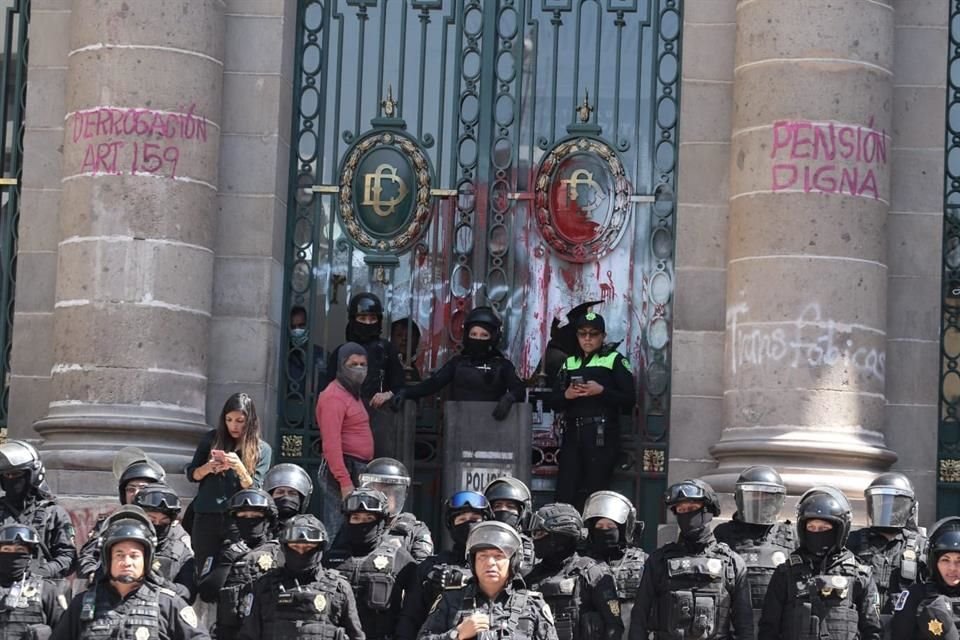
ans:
(218, 455)
(577, 381)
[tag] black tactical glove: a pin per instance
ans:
(234, 552)
(503, 407)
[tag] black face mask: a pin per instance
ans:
(362, 333)
(605, 541)
(477, 348)
(299, 564)
(251, 530)
(554, 548)
(693, 524)
(363, 536)
(819, 543)
(162, 530)
(508, 518)
(460, 532)
(16, 488)
(288, 506)
(13, 566)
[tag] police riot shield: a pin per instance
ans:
(478, 449)
(394, 433)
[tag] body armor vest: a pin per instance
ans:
(930, 597)
(21, 605)
(696, 603)
(373, 578)
(761, 559)
(521, 624)
(232, 605)
(884, 562)
(627, 572)
(172, 554)
(822, 605)
(309, 612)
(478, 380)
(563, 592)
(136, 617)
(36, 513)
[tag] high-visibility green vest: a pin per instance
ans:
(606, 361)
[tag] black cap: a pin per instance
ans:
(590, 320)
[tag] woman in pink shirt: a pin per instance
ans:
(344, 432)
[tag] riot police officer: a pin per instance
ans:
(891, 543)
(290, 487)
(364, 326)
(494, 603)
(135, 476)
(123, 602)
(480, 373)
(754, 532)
(594, 387)
(931, 611)
(302, 600)
(462, 512)
(695, 587)
(611, 521)
(581, 592)
(31, 605)
(512, 504)
(173, 559)
(28, 500)
(379, 570)
(822, 590)
(390, 477)
(249, 553)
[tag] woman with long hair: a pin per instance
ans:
(229, 458)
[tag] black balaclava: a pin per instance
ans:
(162, 530)
(252, 531)
(13, 566)
(363, 537)
(478, 348)
(508, 518)
(288, 506)
(301, 564)
(820, 543)
(605, 542)
(16, 489)
(554, 548)
(363, 333)
(459, 534)
(694, 525)
(351, 378)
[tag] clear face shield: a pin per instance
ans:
(606, 506)
(394, 488)
(759, 503)
(889, 507)
(494, 535)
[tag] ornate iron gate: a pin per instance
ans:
(517, 153)
(13, 93)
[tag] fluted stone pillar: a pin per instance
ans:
(806, 279)
(135, 260)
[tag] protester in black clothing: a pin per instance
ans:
(931, 611)
(480, 373)
(594, 387)
(449, 569)
(384, 370)
(405, 337)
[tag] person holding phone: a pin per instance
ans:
(594, 387)
(229, 458)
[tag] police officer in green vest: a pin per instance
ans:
(594, 387)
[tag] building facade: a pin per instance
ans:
(753, 190)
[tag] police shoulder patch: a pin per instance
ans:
(901, 600)
(626, 364)
(189, 617)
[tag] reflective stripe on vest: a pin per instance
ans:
(573, 362)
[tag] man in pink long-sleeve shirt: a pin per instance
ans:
(345, 433)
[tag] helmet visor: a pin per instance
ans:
(759, 504)
(302, 533)
(360, 502)
(607, 506)
(684, 491)
(469, 500)
(484, 536)
(396, 493)
(888, 509)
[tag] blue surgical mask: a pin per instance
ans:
(298, 336)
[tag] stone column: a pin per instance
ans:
(806, 278)
(137, 219)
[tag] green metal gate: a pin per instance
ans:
(516, 153)
(13, 93)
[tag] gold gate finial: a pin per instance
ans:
(584, 110)
(389, 105)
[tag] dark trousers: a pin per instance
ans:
(331, 501)
(585, 467)
(207, 536)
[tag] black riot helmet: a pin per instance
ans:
(487, 318)
(390, 477)
(16, 533)
(304, 528)
(495, 535)
(824, 503)
(293, 476)
(693, 489)
(944, 538)
(359, 332)
(615, 507)
(140, 470)
(463, 501)
(760, 493)
(128, 529)
(891, 501)
(160, 498)
(253, 500)
(366, 500)
(508, 488)
(19, 455)
(558, 518)
(365, 302)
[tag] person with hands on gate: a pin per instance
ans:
(124, 601)
(822, 590)
(695, 587)
(302, 600)
(480, 373)
(931, 611)
(31, 605)
(494, 605)
(580, 591)
(594, 387)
